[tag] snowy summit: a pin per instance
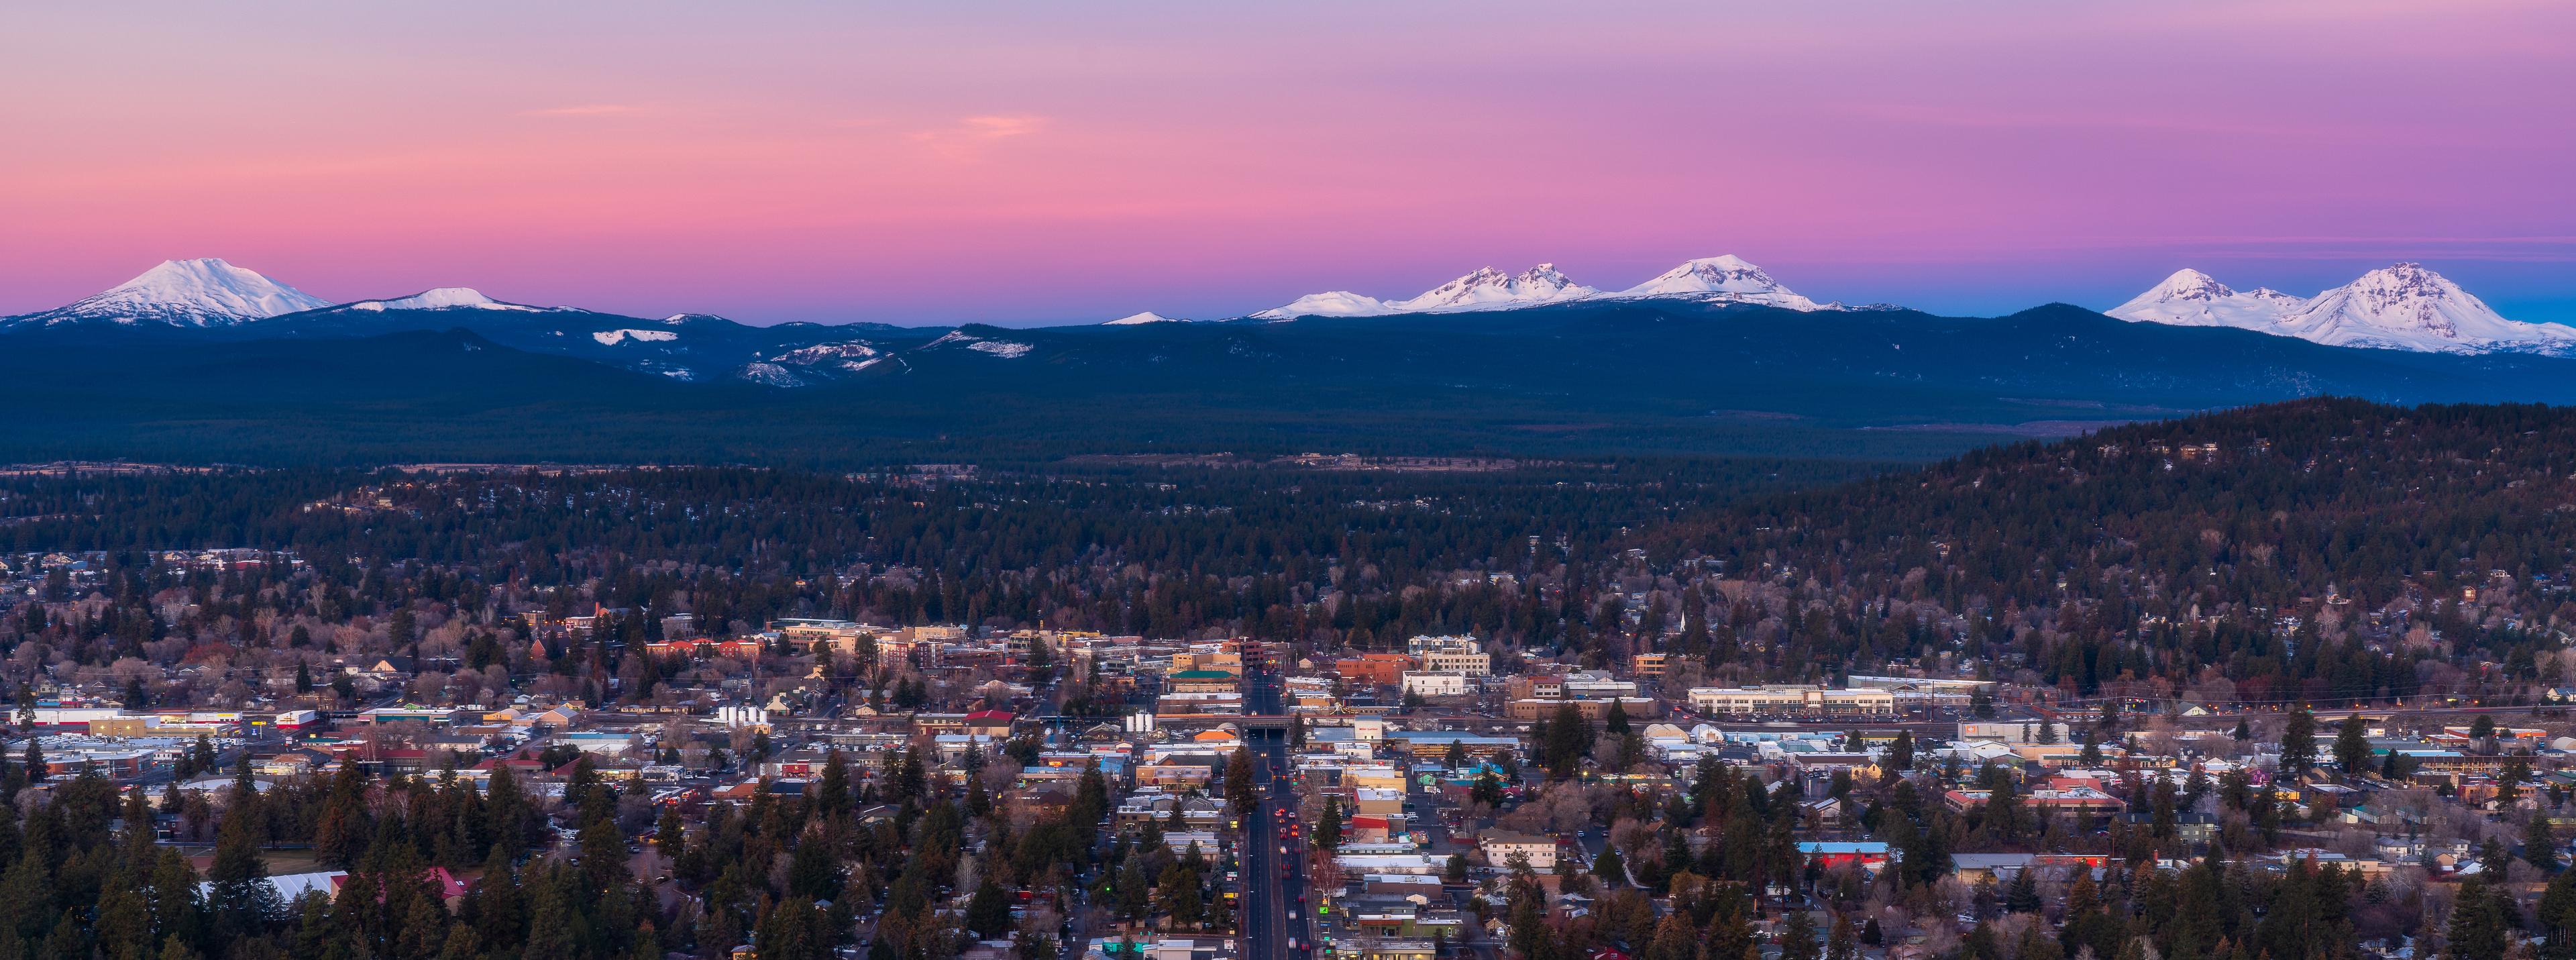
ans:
(205, 292)
(1722, 279)
(2191, 298)
(1139, 319)
(1488, 288)
(441, 298)
(2405, 306)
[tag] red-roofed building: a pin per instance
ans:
(991, 723)
(522, 767)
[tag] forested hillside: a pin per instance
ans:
(2324, 548)
(1584, 379)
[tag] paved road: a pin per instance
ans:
(1271, 880)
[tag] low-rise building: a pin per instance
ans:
(1435, 683)
(1500, 846)
(1775, 699)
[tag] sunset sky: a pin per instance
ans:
(1065, 162)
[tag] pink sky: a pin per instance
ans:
(1055, 162)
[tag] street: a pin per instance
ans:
(1271, 881)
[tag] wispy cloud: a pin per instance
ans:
(965, 139)
(586, 110)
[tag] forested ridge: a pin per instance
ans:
(2314, 549)
(2308, 549)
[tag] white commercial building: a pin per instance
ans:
(1793, 699)
(1435, 683)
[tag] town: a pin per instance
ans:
(1559, 711)
(824, 786)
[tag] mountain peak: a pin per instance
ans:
(1487, 288)
(1139, 319)
(440, 298)
(2190, 298)
(201, 292)
(2407, 306)
(2190, 284)
(1726, 278)
(1331, 303)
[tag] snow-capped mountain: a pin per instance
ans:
(205, 292)
(1333, 303)
(2407, 307)
(1483, 289)
(1488, 289)
(2191, 298)
(442, 298)
(2400, 307)
(1722, 279)
(1140, 319)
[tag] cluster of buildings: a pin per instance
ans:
(1423, 758)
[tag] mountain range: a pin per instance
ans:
(1721, 279)
(204, 360)
(2400, 307)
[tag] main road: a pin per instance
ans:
(1272, 879)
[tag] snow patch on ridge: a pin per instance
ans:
(999, 348)
(610, 338)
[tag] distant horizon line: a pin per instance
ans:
(1025, 322)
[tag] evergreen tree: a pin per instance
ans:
(244, 902)
(2539, 843)
(1798, 937)
(988, 914)
(1568, 737)
(1673, 940)
(2351, 749)
(1182, 901)
(1134, 890)
(2517, 771)
(832, 797)
(2298, 743)
(2556, 914)
(1328, 827)
(2494, 858)
(1610, 868)
(1238, 781)
(1842, 942)
(814, 873)
(2023, 896)
(2478, 925)
(1900, 754)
